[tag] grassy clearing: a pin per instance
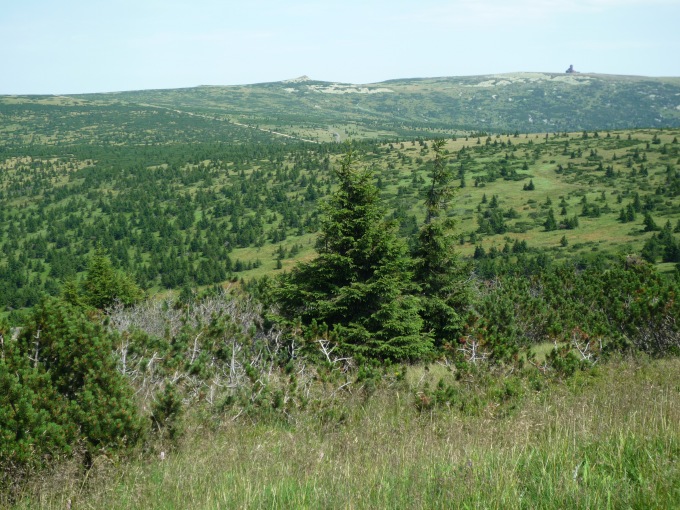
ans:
(607, 438)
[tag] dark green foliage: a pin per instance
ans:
(564, 361)
(103, 286)
(571, 223)
(78, 355)
(593, 211)
(177, 213)
(649, 223)
(166, 413)
(492, 221)
(628, 305)
(628, 214)
(34, 425)
(61, 389)
(360, 284)
(550, 222)
(442, 277)
(662, 245)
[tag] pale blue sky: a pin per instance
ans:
(75, 46)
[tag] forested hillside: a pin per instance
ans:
(323, 111)
(183, 215)
(528, 102)
(207, 277)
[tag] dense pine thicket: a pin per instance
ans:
(61, 392)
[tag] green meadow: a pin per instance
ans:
(607, 438)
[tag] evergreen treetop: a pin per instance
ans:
(438, 270)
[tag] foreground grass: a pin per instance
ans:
(608, 438)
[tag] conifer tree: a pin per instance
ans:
(550, 222)
(103, 285)
(360, 284)
(78, 356)
(649, 223)
(439, 272)
(59, 386)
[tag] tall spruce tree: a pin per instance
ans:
(360, 285)
(441, 275)
(103, 285)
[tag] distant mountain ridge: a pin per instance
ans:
(324, 111)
